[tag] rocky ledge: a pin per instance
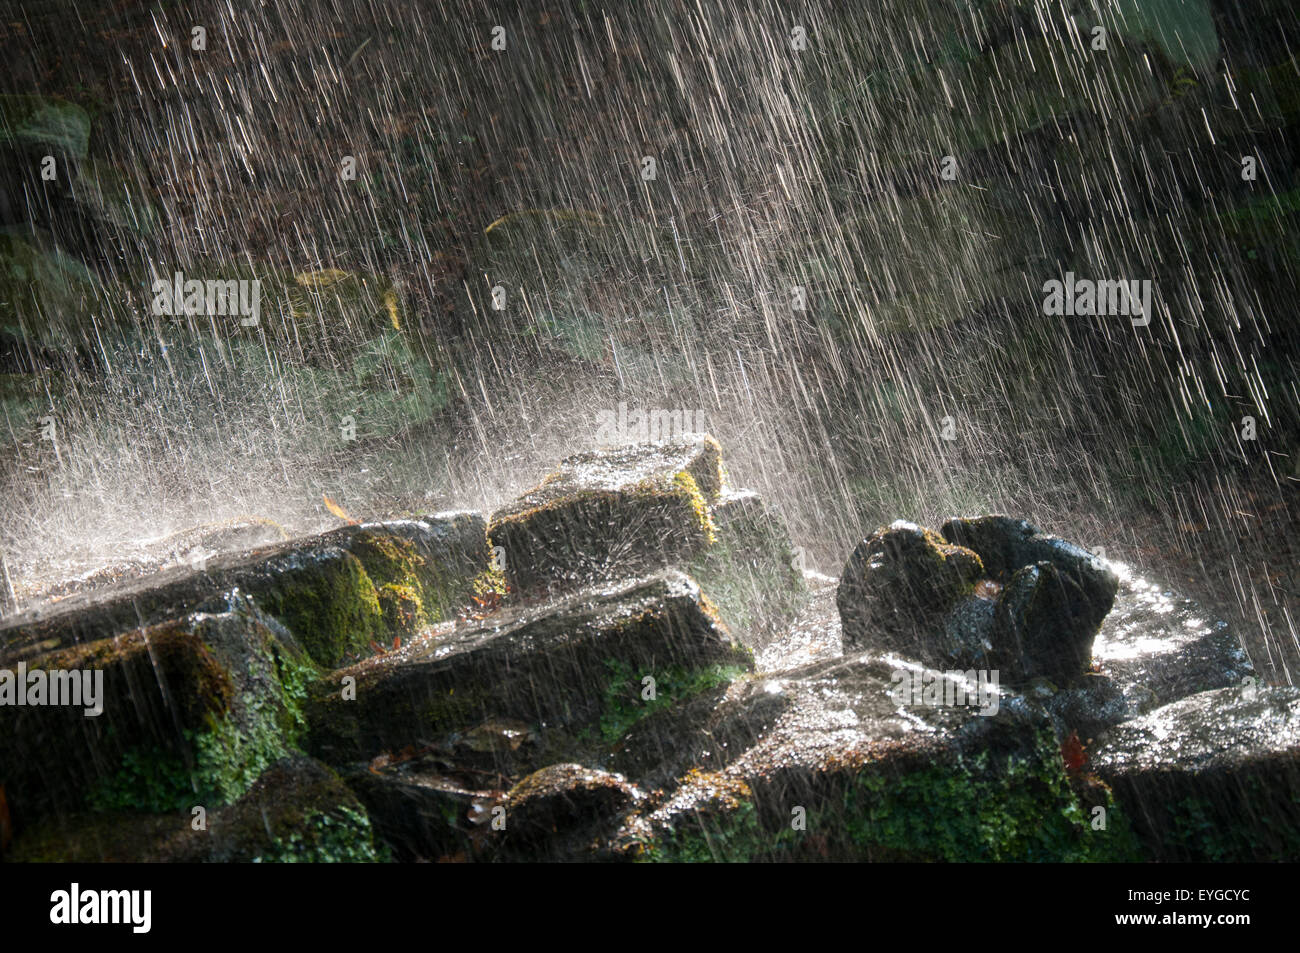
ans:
(622, 665)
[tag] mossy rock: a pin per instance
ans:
(297, 811)
(324, 597)
(1033, 634)
(986, 789)
(522, 665)
(424, 812)
(1214, 777)
(1055, 597)
(749, 571)
(898, 586)
(402, 608)
(606, 514)
(192, 711)
(564, 812)
(316, 587)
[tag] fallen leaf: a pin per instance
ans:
(1073, 754)
(339, 511)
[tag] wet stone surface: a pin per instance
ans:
(652, 716)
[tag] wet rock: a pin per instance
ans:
(1000, 541)
(612, 514)
(608, 513)
(748, 572)
(1007, 545)
(968, 631)
(297, 811)
(1033, 631)
(897, 588)
(854, 768)
(706, 731)
(1212, 777)
(192, 710)
(426, 811)
(565, 811)
(325, 589)
(1090, 706)
(548, 666)
(1153, 648)
(208, 540)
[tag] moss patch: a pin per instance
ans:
(343, 836)
(982, 807)
(624, 706)
(402, 608)
(333, 611)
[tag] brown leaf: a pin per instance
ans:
(339, 511)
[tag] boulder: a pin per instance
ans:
(612, 514)
(560, 668)
(1086, 588)
(607, 513)
(330, 590)
(424, 809)
(748, 572)
(992, 593)
(191, 711)
(1212, 777)
(1033, 635)
(898, 587)
(565, 812)
(852, 768)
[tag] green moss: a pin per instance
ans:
(706, 841)
(723, 828)
(387, 559)
(624, 706)
(222, 760)
(686, 484)
(296, 673)
(964, 811)
(333, 611)
(961, 809)
(402, 608)
(223, 763)
(489, 583)
(343, 836)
